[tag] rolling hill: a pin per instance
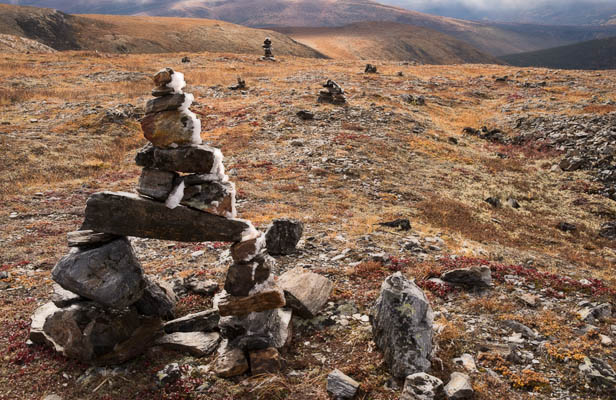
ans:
(139, 34)
(388, 41)
(495, 39)
(593, 54)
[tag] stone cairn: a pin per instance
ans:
(334, 93)
(240, 85)
(370, 69)
(105, 310)
(267, 48)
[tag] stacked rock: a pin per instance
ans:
(106, 310)
(240, 85)
(370, 69)
(334, 93)
(267, 48)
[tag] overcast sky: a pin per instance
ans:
(490, 5)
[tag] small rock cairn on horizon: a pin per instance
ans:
(267, 48)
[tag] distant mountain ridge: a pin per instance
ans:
(593, 54)
(491, 38)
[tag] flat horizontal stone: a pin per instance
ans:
(127, 214)
(305, 292)
(263, 301)
(198, 159)
(156, 183)
(165, 103)
(199, 344)
(88, 238)
(205, 321)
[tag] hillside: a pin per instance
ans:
(593, 54)
(18, 44)
(388, 41)
(495, 39)
(140, 34)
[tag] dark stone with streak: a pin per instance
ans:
(158, 299)
(198, 159)
(165, 103)
(127, 214)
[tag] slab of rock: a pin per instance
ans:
(476, 276)
(127, 214)
(261, 330)
(231, 363)
(198, 159)
(340, 386)
(421, 386)
(204, 321)
(242, 278)
(266, 361)
(64, 298)
(156, 183)
(243, 252)
(165, 103)
(166, 128)
(262, 301)
(202, 287)
(282, 236)
(199, 344)
(89, 333)
(158, 299)
(212, 197)
(598, 312)
(305, 292)
(467, 361)
(598, 372)
(402, 320)
(88, 238)
(459, 387)
(110, 274)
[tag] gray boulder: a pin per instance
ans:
(305, 292)
(340, 386)
(402, 321)
(89, 333)
(282, 236)
(476, 276)
(110, 274)
(421, 386)
(158, 299)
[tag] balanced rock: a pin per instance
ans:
(231, 363)
(94, 335)
(166, 128)
(64, 298)
(421, 386)
(259, 330)
(305, 292)
(88, 238)
(130, 215)
(243, 252)
(266, 300)
(266, 361)
(402, 321)
(340, 386)
(163, 77)
(198, 159)
(282, 236)
(198, 344)
(240, 85)
(334, 93)
(242, 278)
(158, 299)
(459, 387)
(476, 276)
(204, 321)
(166, 103)
(156, 183)
(110, 274)
(212, 197)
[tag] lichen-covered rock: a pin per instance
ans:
(110, 274)
(421, 386)
(282, 236)
(402, 321)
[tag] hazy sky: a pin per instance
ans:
(490, 5)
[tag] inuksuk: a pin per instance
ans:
(240, 85)
(370, 69)
(106, 310)
(267, 48)
(334, 93)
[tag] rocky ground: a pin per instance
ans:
(528, 197)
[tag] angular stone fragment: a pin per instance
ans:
(171, 127)
(199, 159)
(158, 299)
(88, 238)
(305, 292)
(231, 363)
(402, 321)
(266, 361)
(599, 312)
(163, 77)
(282, 236)
(243, 252)
(64, 298)
(340, 386)
(243, 278)
(262, 301)
(94, 335)
(260, 330)
(156, 183)
(212, 197)
(130, 215)
(421, 386)
(476, 276)
(204, 321)
(162, 91)
(459, 387)
(110, 274)
(201, 287)
(199, 344)
(165, 103)
(598, 372)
